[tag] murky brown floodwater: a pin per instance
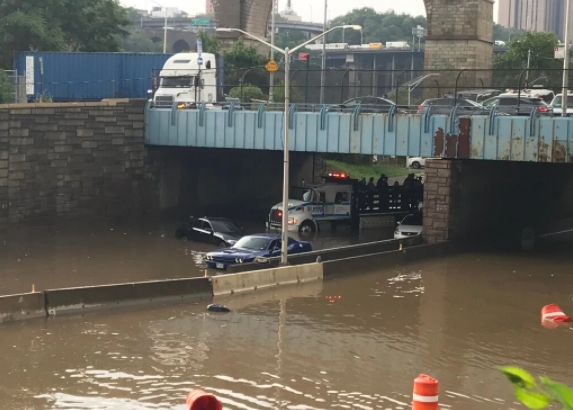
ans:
(83, 254)
(356, 342)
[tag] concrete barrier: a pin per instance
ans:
(332, 254)
(94, 297)
(23, 306)
(265, 278)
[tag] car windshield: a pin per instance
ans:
(415, 219)
(224, 226)
(253, 243)
(557, 101)
(301, 194)
(177, 82)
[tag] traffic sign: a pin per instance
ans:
(560, 52)
(272, 66)
(201, 22)
(199, 52)
(303, 56)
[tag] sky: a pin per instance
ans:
(309, 12)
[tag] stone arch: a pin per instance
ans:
(180, 46)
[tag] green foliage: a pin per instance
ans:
(502, 33)
(538, 396)
(542, 60)
(138, 42)
(248, 93)
(211, 44)
(60, 25)
(296, 94)
(240, 58)
(377, 27)
(290, 39)
(6, 89)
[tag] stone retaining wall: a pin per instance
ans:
(74, 160)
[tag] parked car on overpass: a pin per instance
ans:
(512, 104)
(370, 105)
(557, 101)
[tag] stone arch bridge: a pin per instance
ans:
(460, 32)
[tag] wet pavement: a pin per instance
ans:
(354, 342)
(86, 254)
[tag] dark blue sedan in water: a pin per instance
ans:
(250, 247)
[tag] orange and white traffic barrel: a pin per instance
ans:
(425, 395)
(199, 400)
(552, 316)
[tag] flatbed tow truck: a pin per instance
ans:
(341, 200)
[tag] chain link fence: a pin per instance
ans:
(12, 88)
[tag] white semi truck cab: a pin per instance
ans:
(309, 205)
(183, 80)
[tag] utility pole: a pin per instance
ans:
(566, 63)
(528, 65)
(272, 75)
(323, 69)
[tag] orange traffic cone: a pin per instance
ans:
(425, 395)
(199, 400)
(553, 317)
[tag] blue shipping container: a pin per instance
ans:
(87, 76)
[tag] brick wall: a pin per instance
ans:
(440, 208)
(74, 160)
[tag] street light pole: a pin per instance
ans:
(272, 76)
(287, 55)
(566, 62)
(323, 67)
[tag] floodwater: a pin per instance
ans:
(86, 254)
(350, 343)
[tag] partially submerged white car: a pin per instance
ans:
(409, 227)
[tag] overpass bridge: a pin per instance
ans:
(454, 136)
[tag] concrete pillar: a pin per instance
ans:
(462, 40)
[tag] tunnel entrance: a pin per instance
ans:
(491, 200)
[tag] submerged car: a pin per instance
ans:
(409, 227)
(251, 247)
(220, 232)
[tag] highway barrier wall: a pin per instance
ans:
(23, 306)
(94, 297)
(83, 299)
(333, 254)
(260, 279)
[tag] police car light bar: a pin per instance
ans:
(338, 175)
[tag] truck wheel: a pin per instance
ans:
(307, 227)
(416, 165)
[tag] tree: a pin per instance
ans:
(501, 33)
(247, 93)
(539, 47)
(241, 58)
(60, 25)
(211, 44)
(376, 27)
(6, 89)
(138, 42)
(296, 96)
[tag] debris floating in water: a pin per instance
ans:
(218, 308)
